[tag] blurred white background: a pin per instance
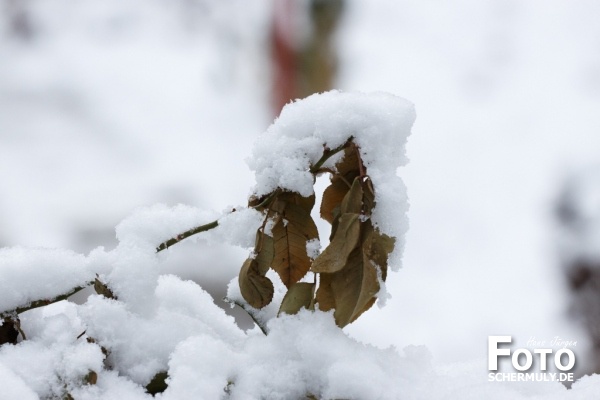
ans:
(109, 105)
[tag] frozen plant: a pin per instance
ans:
(146, 333)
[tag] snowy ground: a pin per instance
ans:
(116, 105)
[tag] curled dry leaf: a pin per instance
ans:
(335, 193)
(349, 266)
(350, 291)
(349, 162)
(284, 198)
(332, 198)
(265, 251)
(347, 169)
(353, 200)
(300, 295)
(256, 288)
(102, 289)
(377, 247)
(335, 256)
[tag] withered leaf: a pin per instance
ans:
(353, 201)
(256, 288)
(285, 198)
(349, 161)
(255, 202)
(102, 289)
(264, 251)
(294, 228)
(300, 295)
(324, 295)
(332, 198)
(91, 378)
(351, 291)
(336, 222)
(368, 196)
(335, 192)
(377, 247)
(346, 237)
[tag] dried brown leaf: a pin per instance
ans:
(353, 201)
(351, 291)
(346, 238)
(256, 288)
(377, 248)
(332, 198)
(91, 378)
(265, 251)
(102, 289)
(294, 228)
(300, 295)
(349, 161)
(285, 198)
(324, 295)
(368, 196)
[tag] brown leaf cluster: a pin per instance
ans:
(349, 269)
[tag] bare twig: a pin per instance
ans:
(262, 327)
(187, 234)
(207, 227)
(45, 302)
(327, 154)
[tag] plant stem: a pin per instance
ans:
(327, 154)
(161, 247)
(45, 302)
(207, 227)
(249, 312)
(186, 234)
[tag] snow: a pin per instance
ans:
(15, 388)
(37, 274)
(502, 118)
(313, 248)
(159, 322)
(122, 104)
(155, 224)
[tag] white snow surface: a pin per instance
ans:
(161, 322)
(115, 104)
(36, 274)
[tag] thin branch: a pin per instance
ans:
(361, 167)
(45, 302)
(327, 154)
(207, 227)
(187, 234)
(17, 324)
(161, 247)
(262, 327)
